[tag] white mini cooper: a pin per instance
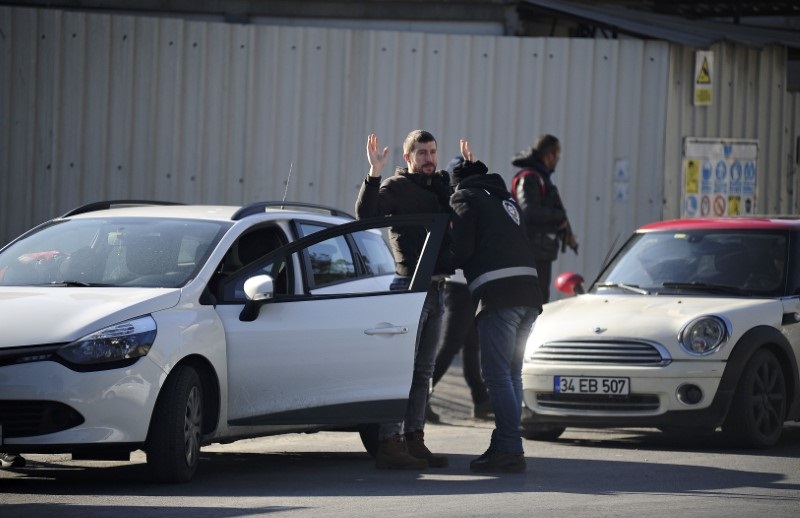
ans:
(693, 325)
(164, 327)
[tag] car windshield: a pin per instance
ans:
(129, 252)
(729, 262)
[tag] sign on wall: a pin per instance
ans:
(703, 74)
(719, 177)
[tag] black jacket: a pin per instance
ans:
(541, 205)
(489, 242)
(407, 193)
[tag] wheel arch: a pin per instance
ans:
(211, 390)
(764, 337)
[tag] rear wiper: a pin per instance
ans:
(627, 287)
(703, 286)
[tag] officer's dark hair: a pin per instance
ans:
(416, 136)
(545, 144)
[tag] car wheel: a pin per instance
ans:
(542, 433)
(758, 409)
(369, 437)
(173, 443)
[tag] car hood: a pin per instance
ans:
(47, 315)
(655, 318)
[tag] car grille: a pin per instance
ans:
(630, 403)
(603, 352)
(22, 418)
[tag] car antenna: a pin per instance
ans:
(610, 250)
(287, 183)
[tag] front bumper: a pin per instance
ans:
(111, 407)
(652, 402)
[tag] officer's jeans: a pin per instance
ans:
(502, 334)
(428, 335)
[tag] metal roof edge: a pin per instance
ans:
(695, 33)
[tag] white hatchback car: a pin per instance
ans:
(165, 327)
(693, 325)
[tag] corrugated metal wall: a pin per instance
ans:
(112, 107)
(793, 153)
(750, 101)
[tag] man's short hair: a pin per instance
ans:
(545, 144)
(416, 136)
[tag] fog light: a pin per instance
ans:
(690, 394)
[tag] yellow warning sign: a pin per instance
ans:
(692, 169)
(704, 77)
(734, 205)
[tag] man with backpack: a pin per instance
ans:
(542, 209)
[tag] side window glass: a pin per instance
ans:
(331, 261)
(228, 285)
(277, 268)
(378, 259)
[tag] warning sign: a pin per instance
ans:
(734, 205)
(719, 205)
(725, 170)
(705, 206)
(704, 77)
(703, 82)
(692, 168)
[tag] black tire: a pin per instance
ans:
(542, 433)
(369, 437)
(758, 409)
(173, 442)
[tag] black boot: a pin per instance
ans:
(493, 461)
(417, 448)
(393, 454)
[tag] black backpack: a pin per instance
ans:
(522, 174)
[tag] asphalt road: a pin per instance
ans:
(586, 473)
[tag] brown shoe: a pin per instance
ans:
(417, 448)
(393, 454)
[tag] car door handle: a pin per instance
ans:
(388, 330)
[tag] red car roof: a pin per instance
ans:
(758, 223)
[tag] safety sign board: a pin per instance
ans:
(719, 177)
(703, 74)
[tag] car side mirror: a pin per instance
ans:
(258, 290)
(570, 283)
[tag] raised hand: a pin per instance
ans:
(377, 159)
(466, 151)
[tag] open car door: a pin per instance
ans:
(297, 358)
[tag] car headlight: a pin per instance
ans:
(115, 346)
(704, 335)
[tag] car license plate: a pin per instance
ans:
(591, 385)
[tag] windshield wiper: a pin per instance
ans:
(627, 287)
(702, 286)
(79, 284)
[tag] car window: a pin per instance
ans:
(331, 261)
(751, 260)
(328, 262)
(247, 250)
(327, 259)
(377, 258)
(370, 247)
(135, 252)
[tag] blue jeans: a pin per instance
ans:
(502, 334)
(428, 333)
